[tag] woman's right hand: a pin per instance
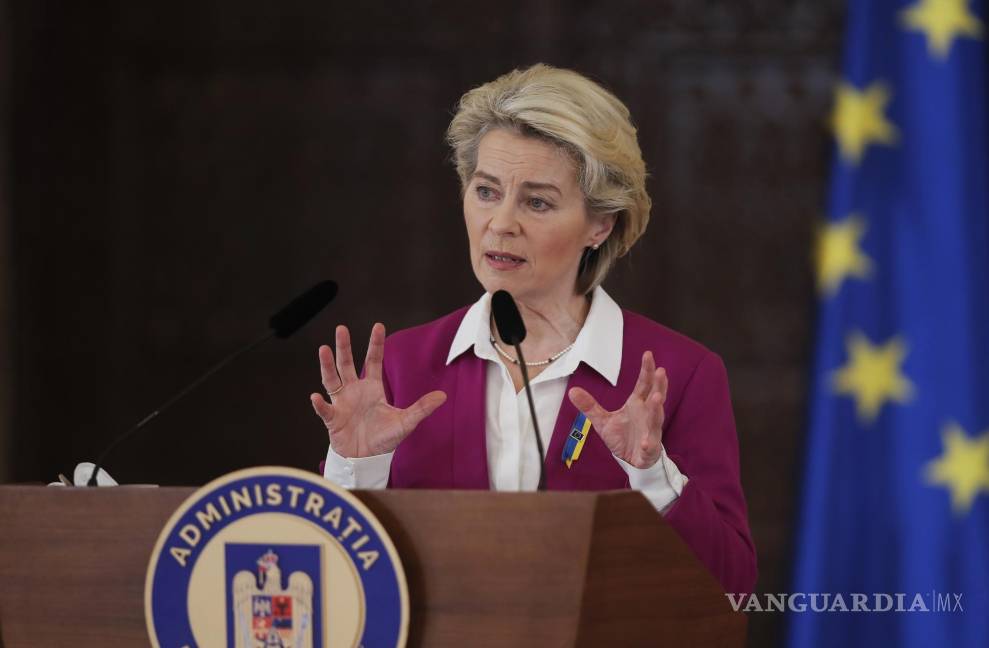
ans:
(359, 419)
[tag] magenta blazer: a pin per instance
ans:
(448, 450)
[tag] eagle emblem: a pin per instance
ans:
(268, 615)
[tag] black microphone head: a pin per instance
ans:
(302, 309)
(507, 318)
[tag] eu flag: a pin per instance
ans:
(895, 500)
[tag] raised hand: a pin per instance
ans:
(359, 419)
(633, 433)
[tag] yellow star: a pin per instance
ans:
(839, 254)
(963, 468)
(942, 21)
(857, 119)
(873, 375)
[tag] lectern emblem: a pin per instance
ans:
(265, 611)
(275, 557)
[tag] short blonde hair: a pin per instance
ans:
(587, 122)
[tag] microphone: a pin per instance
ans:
(511, 328)
(282, 324)
(303, 308)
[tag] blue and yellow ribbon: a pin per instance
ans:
(575, 440)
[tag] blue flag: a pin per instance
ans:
(895, 500)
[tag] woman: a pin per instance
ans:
(553, 187)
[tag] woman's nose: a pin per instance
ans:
(504, 220)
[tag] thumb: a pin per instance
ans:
(420, 409)
(584, 402)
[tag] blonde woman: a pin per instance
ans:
(553, 186)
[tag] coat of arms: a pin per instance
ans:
(268, 615)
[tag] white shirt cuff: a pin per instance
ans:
(661, 483)
(358, 472)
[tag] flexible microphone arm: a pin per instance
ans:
(511, 328)
(282, 324)
(174, 399)
(535, 422)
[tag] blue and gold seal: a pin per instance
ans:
(275, 557)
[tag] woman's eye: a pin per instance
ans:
(485, 193)
(539, 204)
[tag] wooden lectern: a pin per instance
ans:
(484, 569)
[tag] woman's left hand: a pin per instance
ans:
(633, 433)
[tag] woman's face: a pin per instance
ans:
(526, 219)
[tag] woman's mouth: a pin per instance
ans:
(503, 260)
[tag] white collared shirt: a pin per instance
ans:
(512, 457)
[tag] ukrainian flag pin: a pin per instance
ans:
(575, 440)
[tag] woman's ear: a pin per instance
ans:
(603, 224)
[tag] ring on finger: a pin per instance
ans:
(336, 391)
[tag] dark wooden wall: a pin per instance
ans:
(6, 305)
(179, 169)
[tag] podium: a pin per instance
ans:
(483, 569)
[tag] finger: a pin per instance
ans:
(661, 383)
(323, 409)
(375, 352)
(651, 439)
(644, 384)
(345, 356)
(589, 407)
(655, 415)
(413, 415)
(328, 369)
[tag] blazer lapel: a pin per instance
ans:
(470, 450)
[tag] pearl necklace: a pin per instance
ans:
(528, 364)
